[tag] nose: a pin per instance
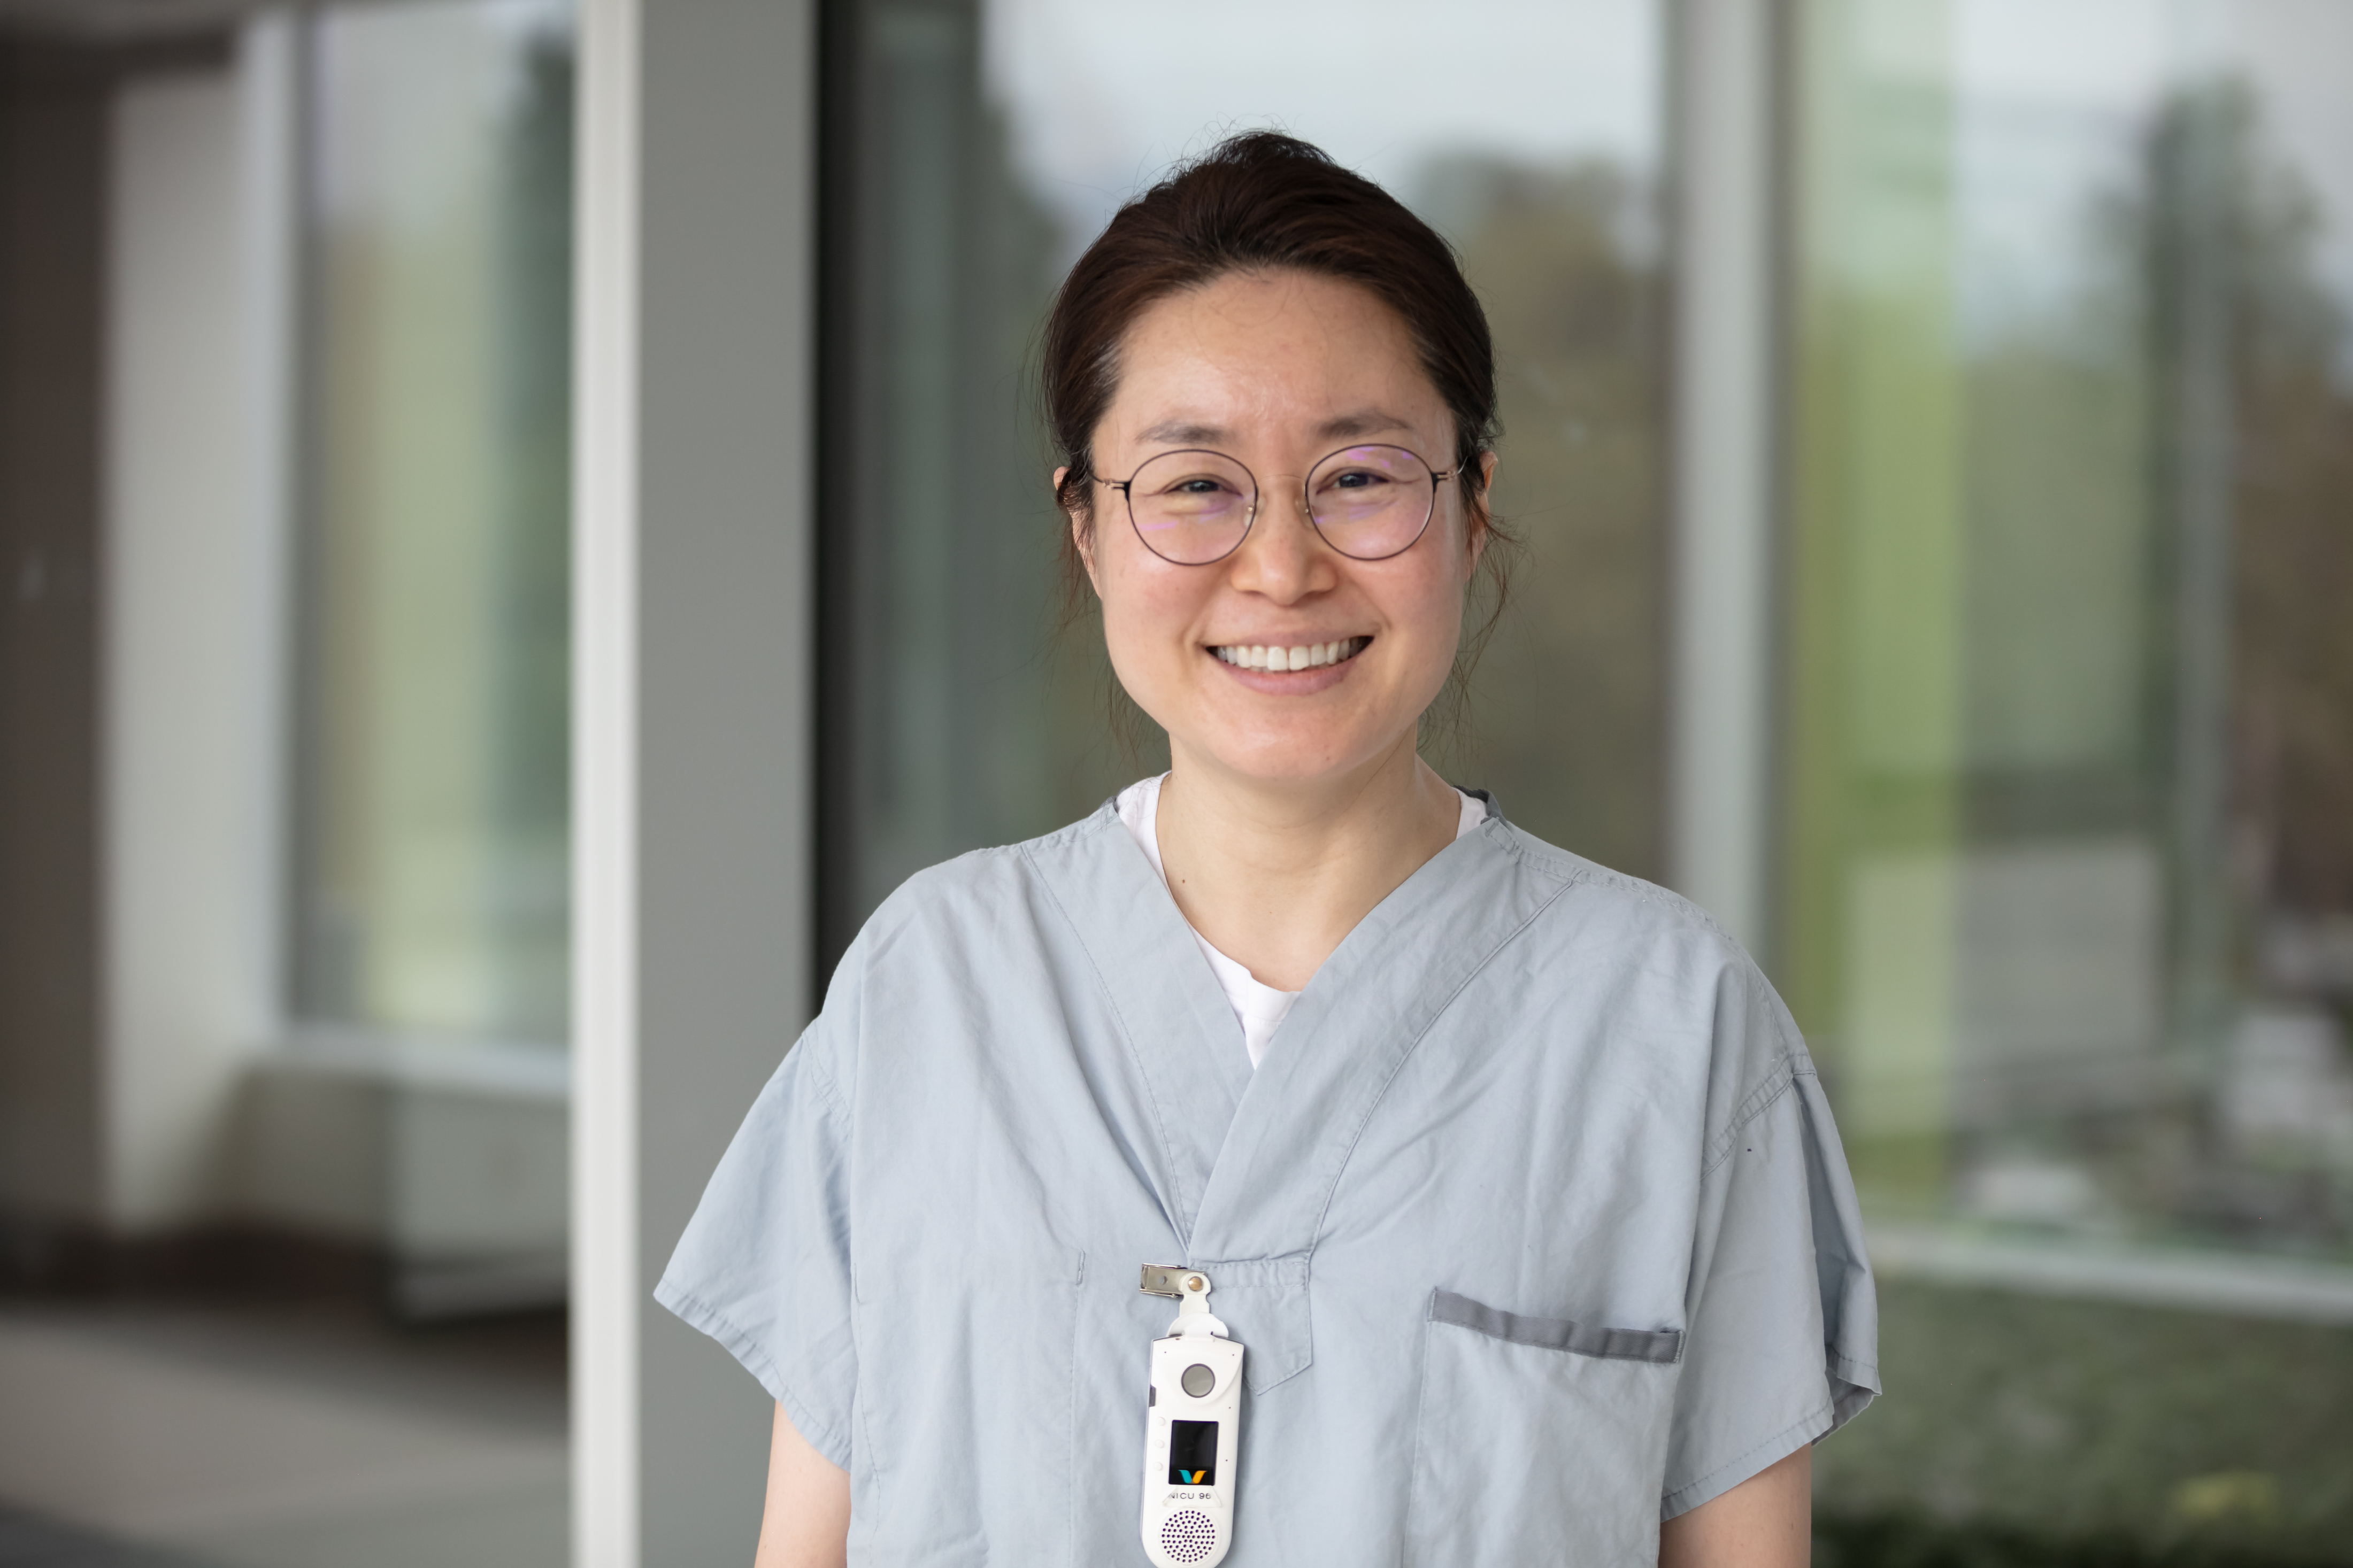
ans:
(1283, 558)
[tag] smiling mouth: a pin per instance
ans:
(1306, 655)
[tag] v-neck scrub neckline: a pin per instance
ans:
(1259, 1007)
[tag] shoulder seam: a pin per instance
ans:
(1069, 830)
(1785, 1073)
(1565, 869)
(1573, 869)
(831, 1090)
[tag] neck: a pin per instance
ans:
(1275, 873)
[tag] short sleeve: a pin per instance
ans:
(1781, 1346)
(764, 1266)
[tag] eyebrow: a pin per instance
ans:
(1183, 432)
(1343, 427)
(1364, 422)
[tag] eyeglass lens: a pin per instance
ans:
(1371, 502)
(1192, 508)
(1195, 506)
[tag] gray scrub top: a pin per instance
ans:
(1534, 1220)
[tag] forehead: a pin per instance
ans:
(1266, 344)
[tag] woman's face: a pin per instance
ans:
(1277, 370)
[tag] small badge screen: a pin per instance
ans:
(1192, 1453)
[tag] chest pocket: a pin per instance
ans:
(1539, 1440)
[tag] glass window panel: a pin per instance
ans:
(432, 892)
(2070, 692)
(2066, 911)
(976, 148)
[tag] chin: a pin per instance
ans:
(1292, 757)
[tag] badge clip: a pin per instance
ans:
(1189, 1289)
(1192, 1429)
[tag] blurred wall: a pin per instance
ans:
(189, 653)
(163, 1108)
(52, 149)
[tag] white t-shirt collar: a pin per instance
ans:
(1259, 1008)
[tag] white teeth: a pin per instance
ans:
(1307, 656)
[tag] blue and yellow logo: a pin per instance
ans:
(1192, 1477)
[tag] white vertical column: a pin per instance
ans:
(1720, 735)
(607, 1296)
(694, 714)
(269, 84)
(197, 402)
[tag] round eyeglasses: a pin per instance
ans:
(1195, 507)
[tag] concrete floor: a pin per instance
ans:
(277, 1439)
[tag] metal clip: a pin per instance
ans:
(1177, 1284)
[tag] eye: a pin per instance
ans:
(1197, 484)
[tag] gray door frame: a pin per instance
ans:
(693, 705)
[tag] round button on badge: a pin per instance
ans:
(1199, 1380)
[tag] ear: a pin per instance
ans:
(1083, 533)
(1479, 533)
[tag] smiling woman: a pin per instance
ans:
(1354, 1049)
(1222, 650)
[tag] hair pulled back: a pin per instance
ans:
(1262, 200)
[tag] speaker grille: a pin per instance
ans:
(1189, 1536)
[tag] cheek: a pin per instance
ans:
(1146, 614)
(1431, 604)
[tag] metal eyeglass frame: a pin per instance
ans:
(1438, 477)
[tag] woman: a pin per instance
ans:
(1510, 1174)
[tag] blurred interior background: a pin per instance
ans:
(2050, 824)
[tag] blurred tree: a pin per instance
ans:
(1564, 717)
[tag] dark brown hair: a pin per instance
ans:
(1262, 201)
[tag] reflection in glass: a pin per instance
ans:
(433, 870)
(974, 150)
(2068, 901)
(2071, 701)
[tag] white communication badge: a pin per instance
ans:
(1192, 1429)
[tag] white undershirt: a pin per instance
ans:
(1259, 1008)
